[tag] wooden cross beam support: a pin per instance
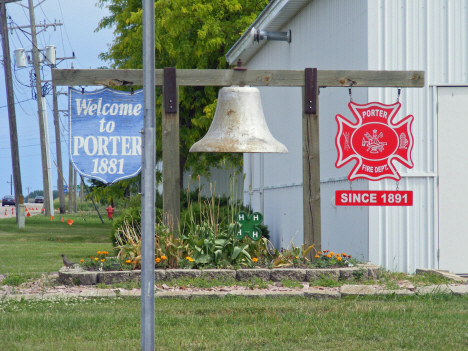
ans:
(309, 79)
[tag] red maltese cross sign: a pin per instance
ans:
(374, 141)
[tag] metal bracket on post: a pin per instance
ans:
(170, 90)
(311, 91)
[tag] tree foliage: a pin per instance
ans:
(189, 34)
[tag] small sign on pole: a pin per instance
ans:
(105, 133)
(374, 141)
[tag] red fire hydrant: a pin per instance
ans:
(110, 211)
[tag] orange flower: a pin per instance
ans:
(339, 258)
(332, 253)
(157, 260)
(105, 253)
(343, 254)
(319, 253)
(99, 252)
(329, 256)
(128, 261)
(96, 258)
(81, 261)
(254, 259)
(317, 256)
(92, 257)
(163, 257)
(102, 260)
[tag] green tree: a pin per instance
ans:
(189, 34)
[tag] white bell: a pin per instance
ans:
(239, 125)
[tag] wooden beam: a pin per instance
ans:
(170, 150)
(207, 77)
(311, 162)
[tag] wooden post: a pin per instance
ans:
(18, 193)
(170, 150)
(311, 161)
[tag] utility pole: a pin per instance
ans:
(58, 149)
(45, 149)
(11, 106)
(37, 73)
(11, 184)
(28, 187)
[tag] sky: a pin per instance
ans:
(77, 34)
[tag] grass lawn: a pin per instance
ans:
(438, 322)
(427, 322)
(37, 247)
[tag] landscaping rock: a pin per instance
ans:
(247, 293)
(182, 273)
(433, 289)
(315, 274)
(459, 290)
(159, 274)
(352, 273)
(357, 290)
(277, 294)
(220, 274)
(280, 274)
(129, 293)
(247, 274)
(322, 294)
(77, 278)
(113, 277)
(98, 293)
(443, 273)
(402, 292)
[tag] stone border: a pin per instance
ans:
(316, 294)
(78, 276)
(443, 273)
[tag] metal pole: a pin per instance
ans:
(148, 180)
(11, 108)
(70, 187)
(87, 190)
(74, 191)
(37, 74)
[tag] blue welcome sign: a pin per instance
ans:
(105, 139)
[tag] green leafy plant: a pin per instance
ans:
(326, 280)
(293, 284)
(293, 257)
(327, 258)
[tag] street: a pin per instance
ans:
(10, 211)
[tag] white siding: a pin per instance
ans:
(429, 35)
(415, 35)
(327, 35)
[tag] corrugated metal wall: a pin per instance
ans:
(429, 35)
(324, 36)
(415, 35)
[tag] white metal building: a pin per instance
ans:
(429, 35)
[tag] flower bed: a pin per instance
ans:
(78, 276)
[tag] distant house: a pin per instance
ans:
(369, 35)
